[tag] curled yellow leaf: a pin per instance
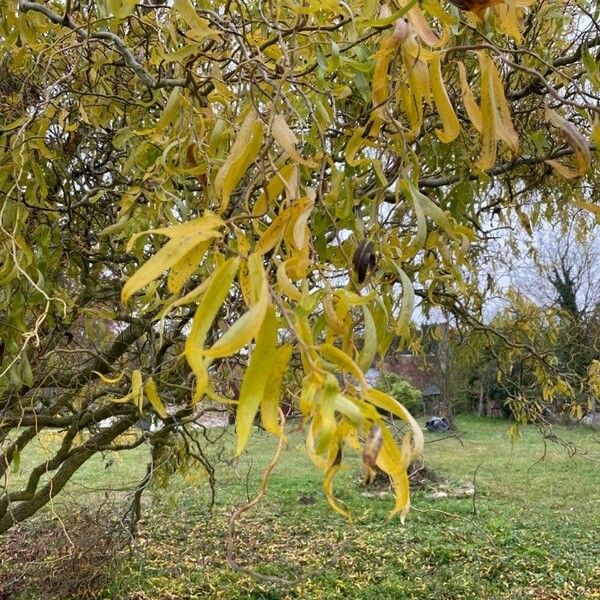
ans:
(580, 146)
(287, 139)
(488, 114)
(451, 126)
(242, 154)
(471, 106)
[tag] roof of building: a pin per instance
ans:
(431, 390)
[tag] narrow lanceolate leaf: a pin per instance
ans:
(451, 126)
(419, 83)
(206, 312)
(325, 421)
(152, 395)
(285, 284)
(471, 106)
(380, 88)
(332, 354)
(184, 239)
(391, 405)
(274, 232)
(169, 114)
(182, 270)
(353, 147)
(243, 331)
(369, 349)
(298, 227)
(137, 390)
(593, 208)
(505, 129)
(287, 139)
(488, 114)
(578, 143)
(269, 404)
(334, 467)
(169, 255)
(391, 460)
(256, 378)
(242, 154)
(509, 21)
(198, 26)
(285, 179)
(408, 303)
(206, 222)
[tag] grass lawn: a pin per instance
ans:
(536, 533)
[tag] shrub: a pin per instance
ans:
(401, 390)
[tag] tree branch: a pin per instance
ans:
(118, 44)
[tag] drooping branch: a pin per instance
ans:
(117, 43)
(27, 508)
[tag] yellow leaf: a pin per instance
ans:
(342, 360)
(505, 129)
(285, 284)
(106, 379)
(380, 90)
(442, 102)
(205, 314)
(488, 114)
(209, 221)
(391, 405)
(152, 395)
(247, 326)
(170, 254)
(286, 138)
(355, 143)
(299, 225)
(169, 114)
(594, 208)
(308, 395)
(285, 178)
(241, 333)
(243, 153)
(371, 450)
(524, 219)
(391, 460)
(269, 405)
(473, 110)
(137, 390)
(355, 411)
(181, 271)
(198, 26)
(185, 238)
(318, 461)
(256, 378)
(369, 349)
(274, 233)
(326, 422)
(580, 146)
(331, 472)
(422, 29)
(419, 83)
(507, 13)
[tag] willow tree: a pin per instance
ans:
(190, 188)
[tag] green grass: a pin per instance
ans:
(536, 533)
